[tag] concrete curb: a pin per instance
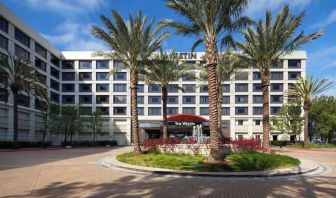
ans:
(306, 166)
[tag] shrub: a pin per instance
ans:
(9, 144)
(151, 144)
(247, 145)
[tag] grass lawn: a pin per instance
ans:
(312, 145)
(236, 162)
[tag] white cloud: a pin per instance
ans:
(323, 58)
(74, 36)
(329, 20)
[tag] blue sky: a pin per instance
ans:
(66, 24)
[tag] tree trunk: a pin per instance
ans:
(15, 118)
(305, 128)
(164, 112)
(44, 138)
(211, 55)
(134, 110)
(265, 81)
(219, 111)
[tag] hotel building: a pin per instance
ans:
(78, 77)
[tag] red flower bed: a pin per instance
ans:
(247, 145)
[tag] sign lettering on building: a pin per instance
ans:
(187, 55)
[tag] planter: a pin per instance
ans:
(190, 149)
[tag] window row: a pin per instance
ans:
(70, 76)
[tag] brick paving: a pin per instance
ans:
(74, 173)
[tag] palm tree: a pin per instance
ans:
(306, 89)
(132, 42)
(164, 69)
(21, 77)
(228, 65)
(212, 22)
(266, 43)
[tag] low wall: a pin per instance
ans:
(190, 149)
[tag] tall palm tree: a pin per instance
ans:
(306, 89)
(265, 43)
(132, 42)
(164, 69)
(21, 77)
(212, 22)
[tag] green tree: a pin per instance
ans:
(265, 43)
(211, 22)
(69, 122)
(133, 43)
(50, 115)
(164, 69)
(20, 77)
(306, 89)
(95, 123)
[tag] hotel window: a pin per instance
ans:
(279, 64)
(3, 42)
(119, 99)
(85, 64)
(54, 97)
(120, 76)
(241, 76)
(118, 87)
(85, 87)
(54, 85)
(276, 76)
(257, 99)
(294, 63)
(172, 110)
(239, 122)
(104, 110)
(256, 76)
(68, 87)
(68, 64)
(141, 88)
(40, 50)
(257, 122)
(226, 100)
(85, 76)
(102, 76)
(85, 99)
(276, 87)
(189, 88)
(118, 64)
(70, 99)
(102, 64)
(293, 75)
(22, 37)
(21, 53)
(3, 95)
(102, 99)
(55, 73)
(3, 24)
(172, 100)
(141, 100)
(204, 110)
(68, 76)
(226, 88)
(154, 89)
(85, 110)
(154, 111)
(102, 87)
(241, 87)
(241, 111)
(141, 111)
(204, 89)
(23, 100)
(40, 64)
(188, 110)
(257, 87)
(154, 99)
(54, 60)
(39, 104)
(189, 78)
(225, 111)
(257, 110)
(241, 99)
(276, 98)
(173, 88)
(204, 99)
(275, 110)
(188, 100)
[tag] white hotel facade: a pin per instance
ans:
(79, 77)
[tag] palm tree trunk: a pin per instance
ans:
(164, 112)
(211, 55)
(219, 110)
(265, 81)
(15, 118)
(134, 110)
(305, 128)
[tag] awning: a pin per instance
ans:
(186, 118)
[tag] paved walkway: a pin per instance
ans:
(74, 173)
